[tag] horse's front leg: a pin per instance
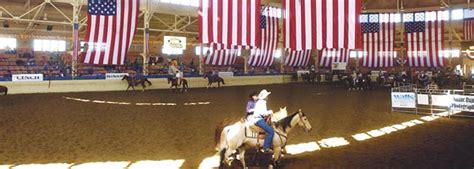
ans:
(276, 156)
(242, 157)
(128, 87)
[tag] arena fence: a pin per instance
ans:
(433, 101)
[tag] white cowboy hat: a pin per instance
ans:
(263, 94)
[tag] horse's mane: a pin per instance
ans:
(285, 122)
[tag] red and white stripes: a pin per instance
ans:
(468, 26)
(229, 22)
(108, 37)
(297, 57)
(221, 57)
(379, 46)
(426, 49)
(329, 56)
(318, 24)
(265, 55)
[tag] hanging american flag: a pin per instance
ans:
(265, 55)
(378, 31)
(221, 57)
(424, 39)
(229, 22)
(318, 24)
(330, 56)
(297, 57)
(468, 24)
(110, 30)
(75, 41)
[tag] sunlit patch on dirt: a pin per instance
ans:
(43, 166)
(302, 148)
(108, 165)
(361, 137)
(209, 162)
(333, 142)
(149, 164)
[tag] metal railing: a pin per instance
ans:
(434, 101)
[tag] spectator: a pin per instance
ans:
(20, 62)
(181, 67)
(9, 75)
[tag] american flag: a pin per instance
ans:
(221, 57)
(378, 31)
(468, 24)
(75, 41)
(265, 55)
(319, 24)
(110, 30)
(229, 22)
(329, 56)
(297, 57)
(424, 40)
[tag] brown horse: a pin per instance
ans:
(174, 83)
(213, 79)
(4, 89)
(132, 82)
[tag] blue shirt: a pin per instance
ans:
(251, 106)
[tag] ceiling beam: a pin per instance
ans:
(453, 6)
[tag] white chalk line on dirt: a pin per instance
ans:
(292, 149)
(137, 104)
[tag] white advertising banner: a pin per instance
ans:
(300, 72)
(403, 100)
(339, 66)
(27, 77)
(440, 100)
(225, 74)
(423, 99)
(462, 103)
(115, 76)
(174, 42)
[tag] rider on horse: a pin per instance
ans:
(251, 103)
(258, 118)
(173, 70)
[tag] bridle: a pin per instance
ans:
(301, 118)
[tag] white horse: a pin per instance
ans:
(233, 137)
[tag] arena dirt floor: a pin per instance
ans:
(48, 128)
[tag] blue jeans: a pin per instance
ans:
(269, 130)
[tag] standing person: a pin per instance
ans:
(251, 103)
(258, 117)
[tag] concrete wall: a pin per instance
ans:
(64, 86)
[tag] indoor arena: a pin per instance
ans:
(161, 84)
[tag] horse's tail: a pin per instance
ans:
(223, 81)
(149, 83)
(6, 90)
(218, 135)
